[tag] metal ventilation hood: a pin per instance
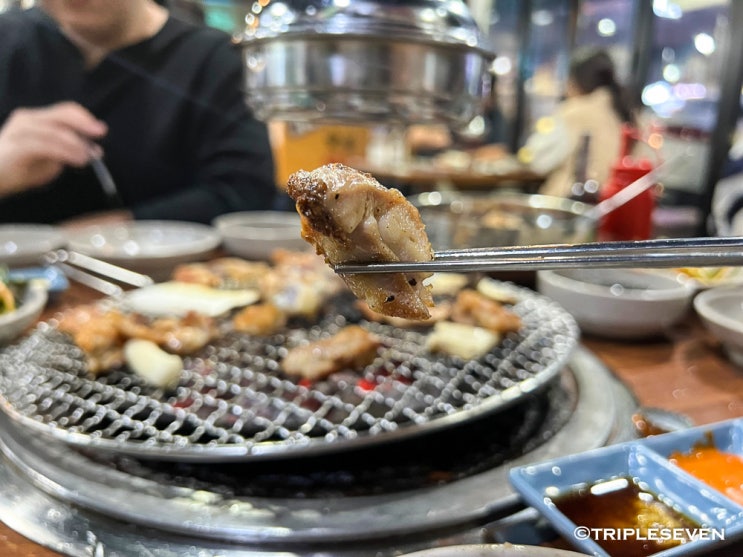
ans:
(407, 61)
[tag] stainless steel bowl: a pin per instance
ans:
(366, 61)
(463, 220)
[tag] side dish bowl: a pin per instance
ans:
(721, 312)
(29, 307)
(151, 247)
(25, 244)
(619, 303)
(588, 496)
(256, 234)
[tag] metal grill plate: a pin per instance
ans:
(234, 403)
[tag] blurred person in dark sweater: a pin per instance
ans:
(157, 98)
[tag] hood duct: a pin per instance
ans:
(391, 61)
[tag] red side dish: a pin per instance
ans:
(720, 470)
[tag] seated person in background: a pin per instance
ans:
(159, 99)
(595, 105)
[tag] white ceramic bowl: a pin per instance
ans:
(27, 312)
(24, 245)
(256, 234)
(721, 312)
(619, 303)
(151, 247)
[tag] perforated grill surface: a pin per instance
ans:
(234, 402)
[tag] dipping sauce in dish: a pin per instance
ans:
(720, 470)
(621, 504)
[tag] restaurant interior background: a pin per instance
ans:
(683, 62)
(680, 60)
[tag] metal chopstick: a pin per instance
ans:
(675, 252)
(96, 283)
(84, 269)
(107, 182)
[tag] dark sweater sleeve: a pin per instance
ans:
(234, 168)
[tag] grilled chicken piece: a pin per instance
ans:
(439, 312)
(101, 333)
(350, 217)
(353, 347)
(299, 284)
(197, 273)
(179, 335)
(260, 319)
(472, 308)
(237, 272)
(223, 272)
(96, 331)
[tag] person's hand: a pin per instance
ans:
(37, 143)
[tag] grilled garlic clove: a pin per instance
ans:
(457, 339)
(495, 291)
(152, 363)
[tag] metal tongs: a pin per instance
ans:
(675, 252)
(89, 271)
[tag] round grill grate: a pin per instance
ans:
(233, 401)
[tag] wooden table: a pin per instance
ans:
(684, 373)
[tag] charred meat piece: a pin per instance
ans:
(440, 312)
(222, 272)
(178, 335)
(350, 217)
(260, 319)
(353, 347)
(237, 272)
(472, 308)
(97, 332)
(197, 273)
(299, 284)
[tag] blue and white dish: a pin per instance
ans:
(55, 279)
(647, 463)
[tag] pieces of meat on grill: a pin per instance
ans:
(197, 273)
(299, 284)
(439, 312)
(223, 272)
(178, 335)
(353, 347)
(350, 217)
(101, 333)
(472, 308)
(260, 319)
(96, 331)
